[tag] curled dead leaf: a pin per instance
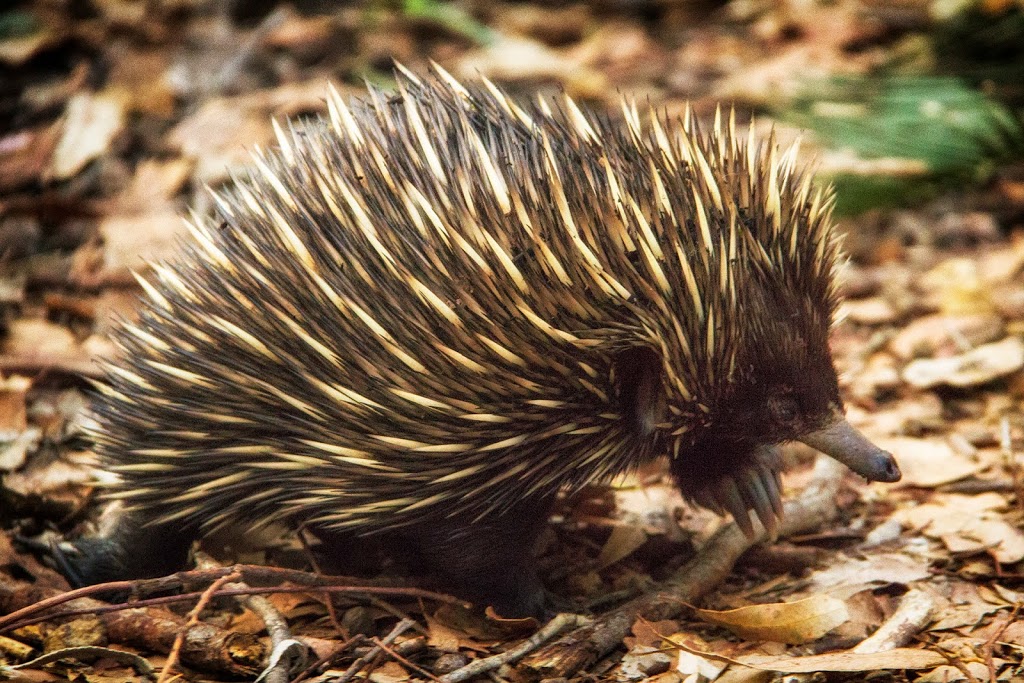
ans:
(783, 622)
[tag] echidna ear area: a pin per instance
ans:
(418, 305)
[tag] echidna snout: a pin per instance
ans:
(844, 443)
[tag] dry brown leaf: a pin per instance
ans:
(441, 637)
(389, 672)
(139, 76)
(650, 633)
(783, 622)
(25, 155)
(12, 405)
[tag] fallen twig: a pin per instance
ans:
(400, 628)
(556, 626)
(912, 615)
(193, 619)
(584, 646)
(307, 582)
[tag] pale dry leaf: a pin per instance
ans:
(951, 674)
(928, 463)
(91, 122)
(219, 136)
(647, 505)
(1001, 595)
(956, 287)
(624, 539)
(784, 622)
(967, 524)
(873, 311)
(773, 81)
(14, 451)
(1003, 265)
(928, 335)
(691, 664)
(643, 662)
(852, 574)
(514, 58)
(897, 419)
(976, 367)
(742, 674)
(132, 241)
(154, 185)
(20, 49)
(33, 339)
(966, 607)
(900, 658)
(56, 480)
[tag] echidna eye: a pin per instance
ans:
(784, 409)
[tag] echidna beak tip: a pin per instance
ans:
(888, 469)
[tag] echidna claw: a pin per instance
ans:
(756, 497)
(756, 487)
(733, 500)
(773, 485)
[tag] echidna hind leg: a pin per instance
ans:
(131, 550)
(489, 561)
(349, 554)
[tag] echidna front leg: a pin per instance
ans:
(489, 561)
(751, 483)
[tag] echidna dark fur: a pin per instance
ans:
(426, 316)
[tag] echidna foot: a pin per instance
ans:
(130, 550)
(754, 486)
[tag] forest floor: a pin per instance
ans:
(116, 115)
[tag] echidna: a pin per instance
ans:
(424, 317)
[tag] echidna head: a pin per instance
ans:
(783, 388)
(786, 388)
